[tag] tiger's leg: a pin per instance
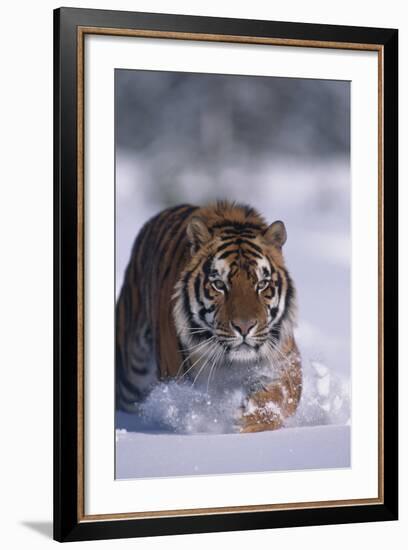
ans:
(267, 408)
(135, 367)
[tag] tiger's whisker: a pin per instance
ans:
(199, 344)
(277, 355)
(216, 356)
(224, 350)
(189, 327)
(193, 330)
(279, 352)
(202, 345)
(208, 359)
(214, 366)
(199, 359)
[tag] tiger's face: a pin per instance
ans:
(242, 301)
(235, 293)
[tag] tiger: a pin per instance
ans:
(204, 287)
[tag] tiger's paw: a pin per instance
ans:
(259, 416)
(258, 426)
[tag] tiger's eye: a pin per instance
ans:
(262, 285)
(218, 285)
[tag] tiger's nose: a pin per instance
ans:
(243, 326)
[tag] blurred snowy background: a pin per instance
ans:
(279, 144)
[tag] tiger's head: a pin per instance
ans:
(235, 294)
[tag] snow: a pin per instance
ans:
(141, 455)
(178, 407)
(184, 430)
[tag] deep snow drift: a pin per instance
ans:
(178, 407)
(174, 432)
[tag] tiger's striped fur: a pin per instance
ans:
(207, 288)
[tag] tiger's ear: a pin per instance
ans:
(197, 233)
(276, 234)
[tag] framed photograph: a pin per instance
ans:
(225, 274)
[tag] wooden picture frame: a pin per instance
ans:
(70, 519)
